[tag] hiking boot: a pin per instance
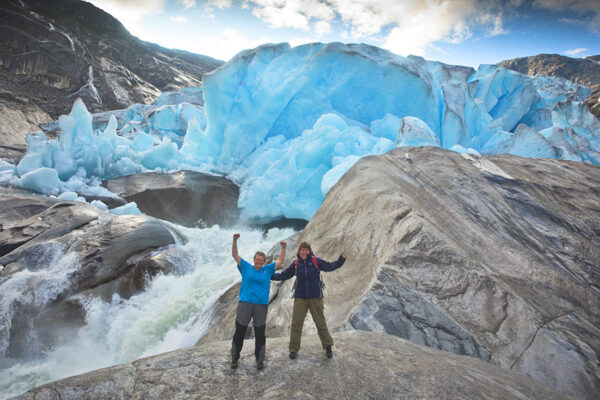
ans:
(293, 355)
(260, 364)
(329, 351)
(234, 364)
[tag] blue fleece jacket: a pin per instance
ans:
(307, 275)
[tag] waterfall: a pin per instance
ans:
(172, 313)
(89, 86)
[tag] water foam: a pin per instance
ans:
(172, 313)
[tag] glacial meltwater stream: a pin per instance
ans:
(172, 313)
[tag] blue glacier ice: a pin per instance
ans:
(286, 123)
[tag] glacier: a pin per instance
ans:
(286, 123)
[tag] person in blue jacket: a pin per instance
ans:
(308, 295)
(253, 301)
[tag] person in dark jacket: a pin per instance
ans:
(253, 301)
(308, 295)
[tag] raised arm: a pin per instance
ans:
(331, 266)
(281, 258)
(285, 274)
(234, 250)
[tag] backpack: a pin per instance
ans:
(321, 283)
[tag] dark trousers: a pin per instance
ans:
(245, 312)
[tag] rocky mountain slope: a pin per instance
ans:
(53, 51)
(495, 257)
(365, 366)
(585, 71)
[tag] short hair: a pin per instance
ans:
(260, 253)
(305, 245)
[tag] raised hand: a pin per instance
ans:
(281, 257)
(234, 249)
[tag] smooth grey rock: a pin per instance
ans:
(186, 198)
(365, 365)
(395, 309)
(488, 256)
(29, 221)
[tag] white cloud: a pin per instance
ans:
(223, 46)
(130, 10)
(220, 4)
(210, 5)
(322, 28)
(494, 24)
(405, 27)
(576, 52)
(131, 13)
(427, 22)
(188, 3)
(179, 18)
(290, 14)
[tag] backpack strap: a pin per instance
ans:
(321, 283)
(314, 262)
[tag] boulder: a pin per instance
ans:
(495, 257)
(186, 198)
(57, 253)
(365, 365)
(29, 221)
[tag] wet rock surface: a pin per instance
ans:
(365, 365)
(75, 251)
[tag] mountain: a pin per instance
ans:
(53, 51)
(585, 71)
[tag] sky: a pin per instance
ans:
(459, 32)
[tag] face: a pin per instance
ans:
(303, 252)
(259, 261)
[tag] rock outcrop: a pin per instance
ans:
(186, 198)
(496, 257)
(365, 366)
(52, 52)
(585, 71)
(593, 102)
(83, 252)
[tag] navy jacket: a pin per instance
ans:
(307, 275)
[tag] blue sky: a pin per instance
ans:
(462, 32)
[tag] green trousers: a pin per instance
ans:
(301, 306)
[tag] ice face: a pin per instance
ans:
(286, 123)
